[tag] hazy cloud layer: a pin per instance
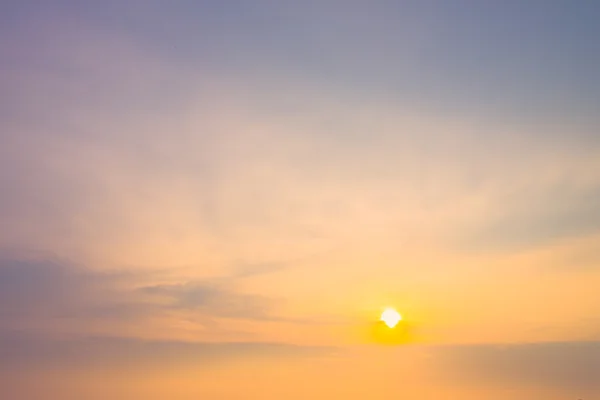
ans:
(40, 293)
(18, 350)
(571, 367)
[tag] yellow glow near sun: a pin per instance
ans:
(391, 317)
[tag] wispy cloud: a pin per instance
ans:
(39, 294)
(18, 350)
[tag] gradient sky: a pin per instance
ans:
(216, 199)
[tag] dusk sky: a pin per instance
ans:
(217, 199)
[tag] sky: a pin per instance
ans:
(217, 199)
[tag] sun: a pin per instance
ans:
(391, 317)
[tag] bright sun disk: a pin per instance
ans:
(391, 317)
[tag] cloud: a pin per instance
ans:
(567, 366)
(39, 292)
(35, 287)
(18, 350)
(213, 300)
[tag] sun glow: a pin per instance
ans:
(391, 317)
